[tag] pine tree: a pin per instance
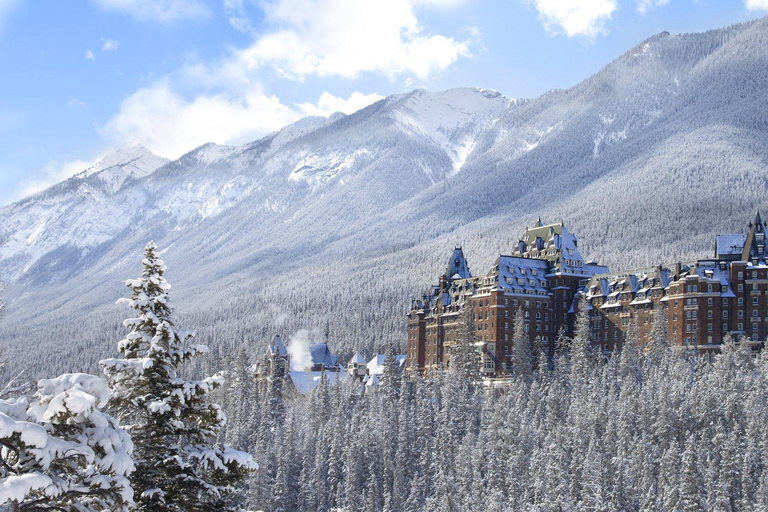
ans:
(61, 452)
(522, 355)
(465, 360)
(174, 428)
(392, 378)
(582, 354)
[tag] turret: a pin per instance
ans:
(457, 266)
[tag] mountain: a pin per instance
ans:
(335, 223)
(75, 215)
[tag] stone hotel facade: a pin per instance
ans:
(545, 276)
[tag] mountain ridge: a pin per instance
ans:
(344, 220)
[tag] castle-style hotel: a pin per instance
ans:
(545, 276)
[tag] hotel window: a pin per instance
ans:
(754, 301)
(741, 275)
(754, 327)
(725, 327)
(740, 301)
(755, 313)
(741, 287)
(709, 327)
(709, 301)
(741, 326)
(725, 314)
(709, 314)
(740, 314)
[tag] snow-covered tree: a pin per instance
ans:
(174, 427)
(522, 355)
(60, 451)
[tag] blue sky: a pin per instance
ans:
(81, 78)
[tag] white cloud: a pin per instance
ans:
(643, 6)
(756, 5)
(238, 17)
(576, 17)
(163, 11)
(171, 125)
(109, 45)
(223, 101)
(329, 104)
(89, 54)
(348, 37)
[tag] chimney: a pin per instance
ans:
(678, 269)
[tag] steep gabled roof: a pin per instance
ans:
(277, 347)
(457, 265)
(754, 248)
(321, 354)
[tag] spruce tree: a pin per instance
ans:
(522, 355)
(60, 451)
(174, 427)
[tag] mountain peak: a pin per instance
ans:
(136, 160)
(119, 166)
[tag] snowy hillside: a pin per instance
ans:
(342, 220)
(76, 215)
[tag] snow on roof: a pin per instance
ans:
(523, 275)
(308, 381)
(321, 354)
(712, 270)
(277, 347)
(457, 266)
(730, 245)
(373, 380)
(357, 359)
(376, 365)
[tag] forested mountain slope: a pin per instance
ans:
(341, 221)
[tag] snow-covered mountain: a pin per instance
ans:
(77, 214)
(341, 220)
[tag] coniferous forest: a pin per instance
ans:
(333, 224)
(649, 428)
